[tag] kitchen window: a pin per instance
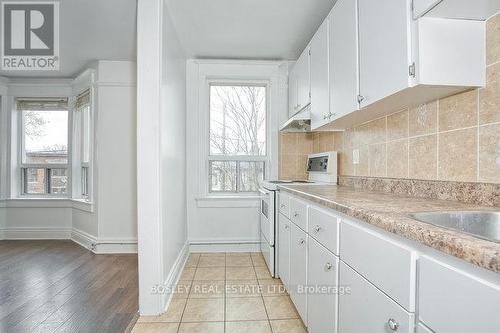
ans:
(238, 150)
(44, 146)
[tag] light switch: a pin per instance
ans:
(355, 156)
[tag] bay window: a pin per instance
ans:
(44, 146)
(84, 121)
(237, 156)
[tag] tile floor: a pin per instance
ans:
(226, 293)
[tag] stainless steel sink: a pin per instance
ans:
(482, 224)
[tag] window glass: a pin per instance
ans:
(222, 176)
(58, 181)
(45, 137)
(237, 120)
(35, 181)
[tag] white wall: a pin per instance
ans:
(215, 223)
(173, 145)
(161, 148)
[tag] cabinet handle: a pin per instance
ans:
(393, 324)
(325, 116)
(317, 229)
(287, 227)
(328, 266)
(295, 214)
(301, 241)
(282, 205)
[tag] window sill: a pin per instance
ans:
(48, 203)
(222, 201)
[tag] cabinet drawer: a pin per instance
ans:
(322, 272)
(324, 227)
(451, 300)
(298, 213)
(367, 309)
(384, 262)
(284, 204)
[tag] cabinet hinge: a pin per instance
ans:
(411, 70)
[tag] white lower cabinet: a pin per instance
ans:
(284, 249)
(451, 300)
(298, 270)
(366, 309)
(421, 328)
(322, 275)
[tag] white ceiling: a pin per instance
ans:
(249, 29)
(91, 30)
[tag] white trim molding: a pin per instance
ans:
(224, 245)
(175, 273)
(36, 233)
(103, 245)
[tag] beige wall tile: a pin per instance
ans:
(288, 166)
(489, 97)
(346, 168)
(397, 126)
(458, 111)
(363, 168)
(304, 143)
(316, 142)
(373, 132)
(301, 167)
(458, 155)
(489, 153)
(423, 119)
(493, 39)
(326, 141)
(338, 141)
(350, 138)
(288, 143)
(423, 157)
(377, 160)
(397, 159)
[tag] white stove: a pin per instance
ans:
(322, 169)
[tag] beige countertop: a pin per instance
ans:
(390, 212)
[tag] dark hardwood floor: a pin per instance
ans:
(58, 286)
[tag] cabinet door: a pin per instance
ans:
(322, 272)
(292, 91)
(284, 250)
(303, 80)
(384, 52)
(320, 93)
(298, 270)
(344, 75)
(366, 309)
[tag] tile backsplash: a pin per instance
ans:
(453, 139)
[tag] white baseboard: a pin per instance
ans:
(104, 245)
(243, 245)
(174, 274)
(36, 233)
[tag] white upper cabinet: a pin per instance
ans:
(299, 86)
(384, 53)
(303, 80)
(292, 92)
(344, 86)
(320, 93)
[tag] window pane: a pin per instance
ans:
(251, 173)
(85, 133)
(85, 181)
(34, 181)
(45, 136)
(237, 120)
(222, 176)
(58, 181)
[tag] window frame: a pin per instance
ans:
(236, 158)
(83, 173)
(23, 167)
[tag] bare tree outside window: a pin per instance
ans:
(237, 130)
